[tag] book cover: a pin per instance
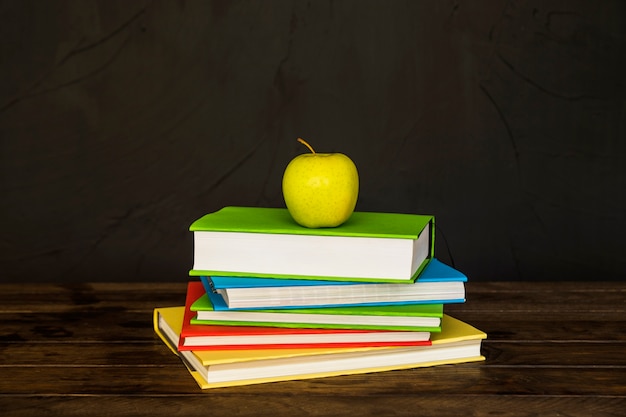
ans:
(266, 242)
(279, 221)
(207, 337)
(323, 296)
(170, 320)
(457, 343)
(437, 284)
(408, 317)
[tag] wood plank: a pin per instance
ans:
(544, 287)
(111, 326)
(114, 289)
(557, 328)
(527, 354)
(47, 355)
(235, 404)
(101, 326)
(552, 349)
(511, 298)
(475, 379)
(536, 303)
(89, 297)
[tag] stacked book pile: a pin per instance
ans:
(271, 300)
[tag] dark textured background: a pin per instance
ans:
(123, 121)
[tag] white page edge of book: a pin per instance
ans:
(397, 259)
(348, 319)
(314, 338)
(342, 362)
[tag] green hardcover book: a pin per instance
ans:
(267, 242)
(403, 317)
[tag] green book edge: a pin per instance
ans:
(434, 329)
(400, 310)
(279, 221)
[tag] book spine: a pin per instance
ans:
(208, 285)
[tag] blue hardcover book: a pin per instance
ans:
(437, 284)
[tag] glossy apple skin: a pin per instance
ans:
(321, 189)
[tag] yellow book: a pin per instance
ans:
(458, 342)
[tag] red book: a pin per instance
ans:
(220, 337)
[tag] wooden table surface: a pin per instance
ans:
(553, 349)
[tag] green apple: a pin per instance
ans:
(320, 189)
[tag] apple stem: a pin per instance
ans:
(304, 142)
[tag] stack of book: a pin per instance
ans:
(273, 301)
